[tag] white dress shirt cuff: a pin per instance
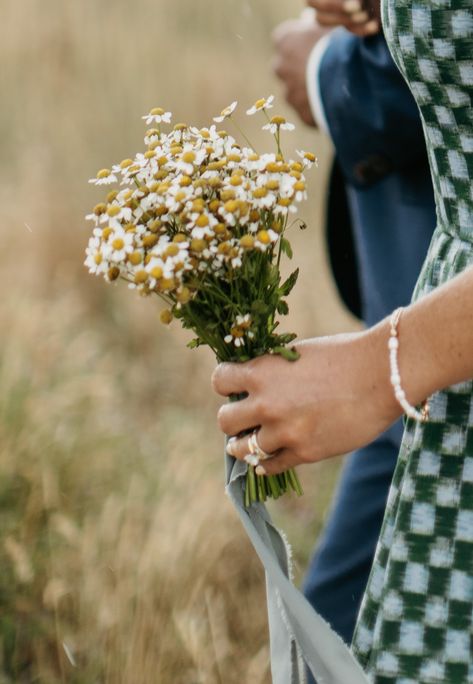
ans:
(313, 84)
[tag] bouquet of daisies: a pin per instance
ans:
(199, 220)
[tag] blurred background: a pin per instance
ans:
(121, 561)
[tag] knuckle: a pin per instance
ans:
(214, 380)
(222, 419)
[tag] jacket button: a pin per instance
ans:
(372, 169)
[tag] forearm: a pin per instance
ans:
(435, 340)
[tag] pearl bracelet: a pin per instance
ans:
(399, 393)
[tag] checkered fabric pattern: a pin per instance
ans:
(416, 620)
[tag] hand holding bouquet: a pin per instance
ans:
(200, 221)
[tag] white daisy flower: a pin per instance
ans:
(273, 126)
(260, 105)
(157, 115)
(104, 177)
(95, 261)
(225, 113)
(308, 159)
(119, 244)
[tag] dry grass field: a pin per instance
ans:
(121, 561)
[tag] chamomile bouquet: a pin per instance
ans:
(200, 220)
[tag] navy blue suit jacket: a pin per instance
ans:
(377, 133)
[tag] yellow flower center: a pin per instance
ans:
(263, 237)
(202, 221)
(172, 250)
(157, 272)
(278, 120)
(188, 157)
(165, 316)
(259, 193)
(154, 226)
(113, 273)
(103, 173)
(125, 163)
(98, 258)
(157, 111)
(113, 210)
(231, 206)
(227, 195)
(260, 103)
(247, 241)
(150, 241)
(141, 277)
(135, 258)
(216, 165)
(167, 284)
(118, 243)
(198, 245)
(183, 295)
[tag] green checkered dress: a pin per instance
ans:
(416, 620)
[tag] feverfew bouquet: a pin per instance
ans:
(200, 221)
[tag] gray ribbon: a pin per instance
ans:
(297, 633)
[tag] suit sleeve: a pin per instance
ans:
(372, 116)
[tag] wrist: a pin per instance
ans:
(380, 376)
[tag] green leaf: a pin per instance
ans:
(286, 247)
(196, 342)
(286, 338)
(259, 307)
(290, 354)
(282, 308)
(288, 284)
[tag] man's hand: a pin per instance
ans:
(361, 17)
(293, 42)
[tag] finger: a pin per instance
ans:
(333, 6)
(268, 442)
(282, 461)
(342, 19)
(282, 29)
(371, 28)
(229, 378)
(238, 416)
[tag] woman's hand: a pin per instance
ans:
(361, 18)
(335, 398)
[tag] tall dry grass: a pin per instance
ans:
(121, 561)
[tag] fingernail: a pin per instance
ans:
(351, 6)
(372, 26)
(230, 445)
(251, 459)
(359, 17)
(260, 470)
